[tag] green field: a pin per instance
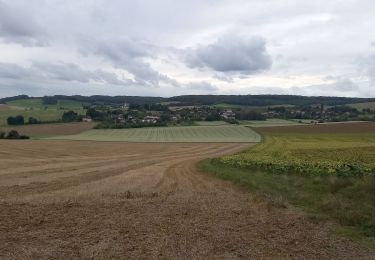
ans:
(256, 108)
(268, 122)
(35, 108)
(37, 103)
(211, 123)
(311, 154)
(365, 105)
(225, 133)
(330, 176)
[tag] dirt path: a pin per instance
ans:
(61, 199)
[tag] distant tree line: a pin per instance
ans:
(49, 100)
(248, 100)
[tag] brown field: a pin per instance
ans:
(51, 129)
(4, 107)
(360, 127)
(103, 200)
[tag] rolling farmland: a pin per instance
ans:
(35, 108)
(98, 200)
(204, 134)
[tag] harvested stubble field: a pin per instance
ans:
(76, 199)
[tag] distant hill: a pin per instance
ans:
(266, 100)
(242, 100)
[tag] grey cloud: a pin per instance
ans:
(233, 54)
(223, 77)
(202, 86)
(344, 85)
(130, 55)
(59, 71)
(341, 87)
(14, 71)
(18, 26)
(366, 66)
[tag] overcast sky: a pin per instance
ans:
(169, 47)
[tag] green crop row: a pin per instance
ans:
(344, 155)
(221, 133)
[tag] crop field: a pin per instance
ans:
(211, 123)
(327, 170)
(4, 107)
(315, 149)
(256, 108)
(365, 105)
(204, 134)
(37, 103)
(99, 200)
(326, 128)
(45, 130)
(34, 108)
(268, 123)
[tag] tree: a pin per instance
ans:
(33, 120)
(94, 114)
(16, 120)
(13, 134)
(49, 101)
(70, 116)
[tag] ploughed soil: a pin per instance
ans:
(354, 127)
(4, 107)
(51, 129)
(100, 200)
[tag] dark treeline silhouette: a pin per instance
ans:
(248, 100)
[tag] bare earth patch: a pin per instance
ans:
(4, 107)
(51, 129)
(75, 199)
(354, 127)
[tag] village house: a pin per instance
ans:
(150, 119)
(228, 114)
(86, 119)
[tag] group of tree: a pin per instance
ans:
(16, 120)
(249, 115)
(49, 100)
(13, 134)
(20, 120)
(70, 116)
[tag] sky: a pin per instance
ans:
(168, 47)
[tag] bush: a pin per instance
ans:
(13, 134)
(33, 120)
(2, 135)
(16, 120)
(70, 116)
